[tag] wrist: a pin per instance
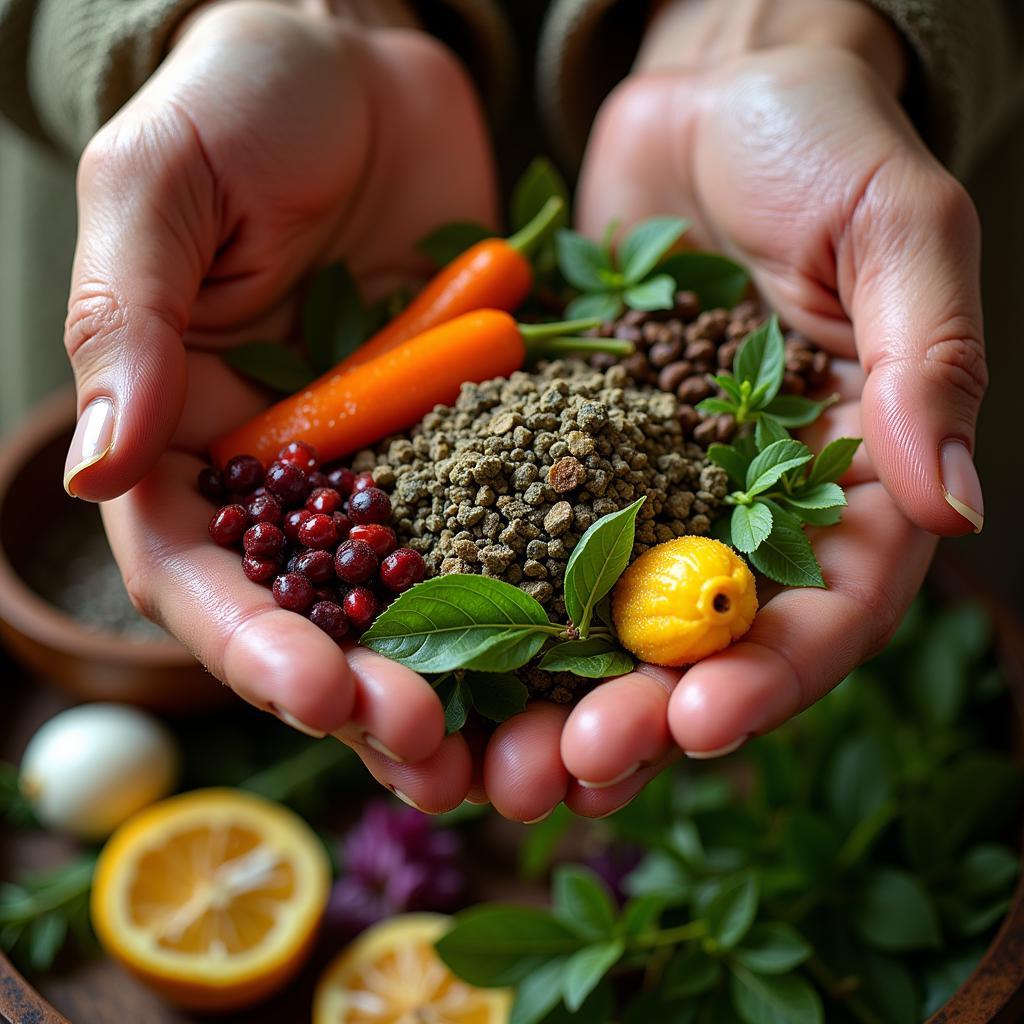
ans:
(690, 34)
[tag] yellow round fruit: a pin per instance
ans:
(391, 974)
(212, 898)
(683, 600)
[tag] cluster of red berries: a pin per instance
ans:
(319, 537)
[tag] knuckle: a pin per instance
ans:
(141, 594)
(878, 612)
(94, 313)
(956, 359)
(953, 209)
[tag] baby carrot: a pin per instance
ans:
(349, 410)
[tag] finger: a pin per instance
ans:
(618, 728)
(274, 659)
(523, 771)
(909, 266)
(147, 229)
(599, 803)
(804, 641)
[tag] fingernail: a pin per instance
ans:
(375, 744)
(706, 755)
(93, 436)
(290, 720)
(615, 810)
(608, 783)
(406, 799)
(960, 483)
(537, 821)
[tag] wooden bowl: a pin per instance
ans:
(90, 664)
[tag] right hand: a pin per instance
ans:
(269, 143)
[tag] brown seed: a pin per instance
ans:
(651, 332)
(725, 428)
(628, 332)
(705, 432)
(687, 305)
(693, 390)
(638, 367)
(702, 351)
(663, 352)
(603, 361)
(674, 374)
(794, 384)
(688, 418)
(633, 317)
(727, 353)
(566, 475)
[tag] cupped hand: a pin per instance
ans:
(269, 143)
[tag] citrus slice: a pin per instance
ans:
(391, 974)
(212, 898)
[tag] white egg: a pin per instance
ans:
(91, 767)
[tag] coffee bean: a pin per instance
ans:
(674, 374)
(664, 352)
(693, 390)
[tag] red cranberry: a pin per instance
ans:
(362, 482)
(330, 617)
(259, 570)
(243, 473)
(342, 523)
(318, 531)
(324, 499)
(265, 508)
(381, 538)
(316, 566)
(323, 593)
(288, 482)
(355, 561)
(264, 540)
(293, 592)
(318, 480)
(293, 521)
(342, 479)
(228, 524)
(369, 506)
(300, 454)
(401, 569)
(211, 484)
(361, 608)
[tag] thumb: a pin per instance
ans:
(145, 226)
(916, 309)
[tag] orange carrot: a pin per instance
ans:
(349, 410)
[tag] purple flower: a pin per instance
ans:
(394, 860)
(613, 864)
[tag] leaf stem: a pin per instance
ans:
(68, 884)
(833, 986)
(669, 936)
(560, 345)
(531, 235)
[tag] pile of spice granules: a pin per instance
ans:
(506, 481)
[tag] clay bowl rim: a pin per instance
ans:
(27, 612)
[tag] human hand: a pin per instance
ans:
(270, 142)
(797, 161)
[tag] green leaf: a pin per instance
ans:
(822, 516)
(273, 365)
(718, 282)
(797, 411)
(731, 910)
(834, 460)
(727, 382)
(443, 244)
(858, 780)
(889, 986)
(751, 524)
(582, 902)
(540, 182)
(541, 840)
(495, 945)
(768, 430)
(586, 968)
(597, 561)
(895, 913)
(987, 869)
(461, 621)
(770, 465)
(731, 460)
(496, 695)
(538, 993)
(691, 972)
(663, 876)
(811, 842)
(596, 658)
(646, 244)
(715, 406)
(943, 977)
(786, 556)
(45, 937)
(334, 318)
(597, 1009)
(774, 999)
(654, 293)
(984, 787)
(761, 359)
(604, 306)
(654, 1006)
(822, 496)
(640, 914)
(581, 261)
(457, 702)
(772, 947)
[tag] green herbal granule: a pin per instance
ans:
(506, 481)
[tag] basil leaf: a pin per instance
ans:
(730, 913)
(715, 406)
(597, 561)
(654, 293)
(774, 999)
(640, 914)
(540, 182)
(797, 411)
(768, 430)
(541, 840)
(727, 382)
(496, 695)
(988, 869)
(581, 261)
(539, 993)
(822, 516)
(731, 460)
(596, 658)
(457, 702)
(273, 365)
(443, 244)
(858, 780)
(461, 621)
(895, 913)
(786, 556)
(581, 901)
(834, 460)
(751, 524)
(718, 282)
(770, 465)
(691, 972)
(586, 968)
(647, 243)
(761, 359)
(498, 944)
(604, 306)
(45, 938)
(822, 496)
(772, 947)
(334, 318)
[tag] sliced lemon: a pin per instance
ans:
(213, 898)
(391, 974)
